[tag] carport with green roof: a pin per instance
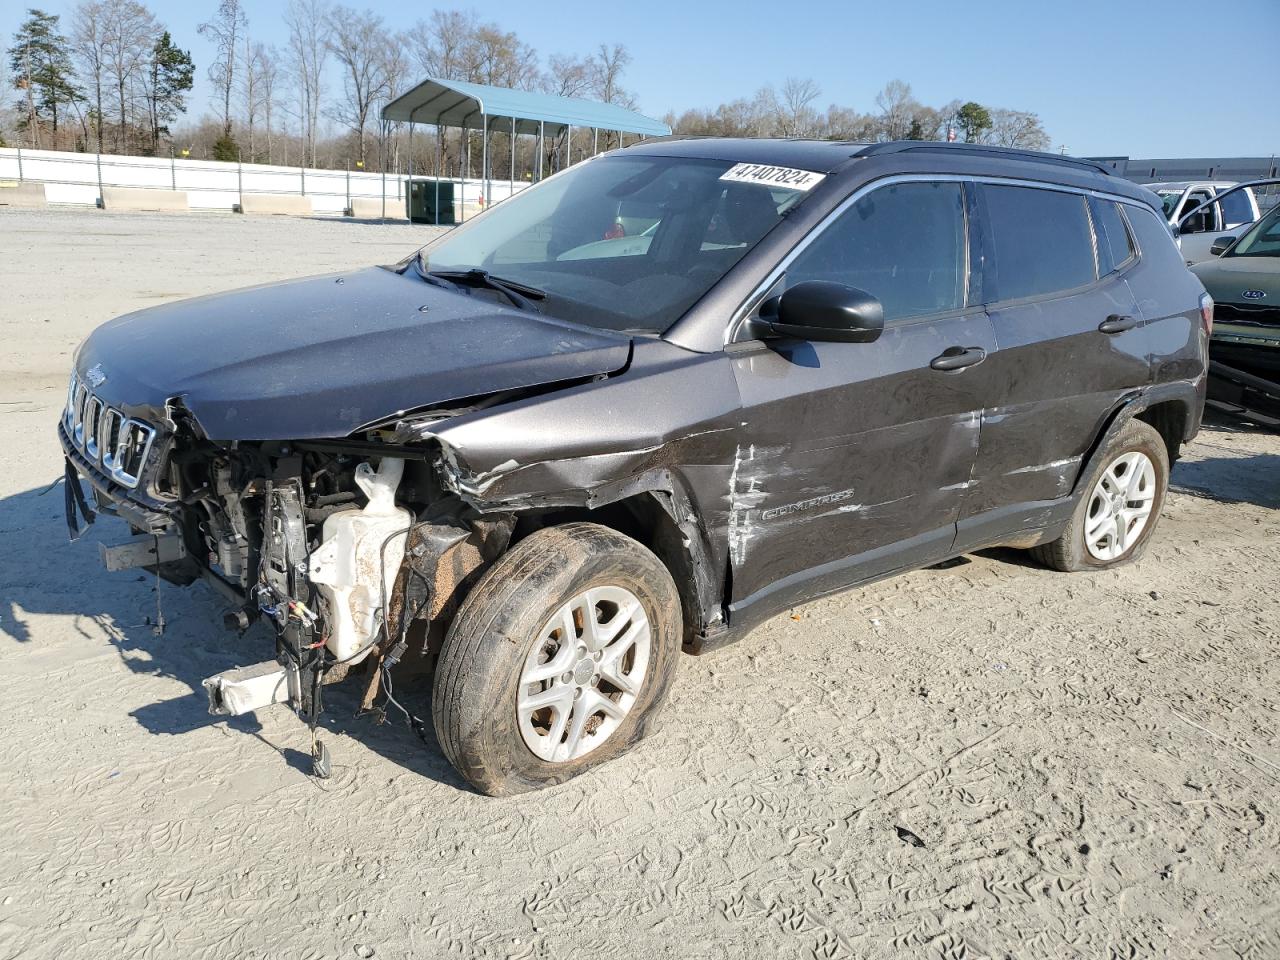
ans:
(486, 109)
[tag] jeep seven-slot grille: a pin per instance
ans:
(108, 439)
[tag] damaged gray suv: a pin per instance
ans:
(635, 410)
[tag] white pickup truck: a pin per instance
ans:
(1236, 210)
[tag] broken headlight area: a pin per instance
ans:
(342, 547)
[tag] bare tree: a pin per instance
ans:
(845, 123)
(1017, 128)
(794, 114)
(308, 24)
(502, 59)
(225, 30)
(897, 107)
(442, 44)
(253, 63)
(608, 65)
(568, 76)
(129, 34)
(268, 72)
(88, 31)
(359, 42)
(395, 57)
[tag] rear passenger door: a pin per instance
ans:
(1070, 343)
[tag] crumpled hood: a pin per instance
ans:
(321, 357)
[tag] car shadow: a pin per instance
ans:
(44, 575)
(1250, 479)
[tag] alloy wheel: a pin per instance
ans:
(1120, 506)
(584, 673)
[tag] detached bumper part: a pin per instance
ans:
(246, 689)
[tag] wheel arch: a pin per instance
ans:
(661, 517)
(1172, 409)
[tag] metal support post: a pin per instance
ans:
(542, 136)
(484, 159)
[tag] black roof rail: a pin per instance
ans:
(983, 149)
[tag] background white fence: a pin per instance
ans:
(211, 185)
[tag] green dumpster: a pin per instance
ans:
(423, 194)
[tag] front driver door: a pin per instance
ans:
(860, 453)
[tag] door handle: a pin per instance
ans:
(957, 358)
(1118, 323)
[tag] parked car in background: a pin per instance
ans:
(1244, 280)
(541, 459)
(1232, 212)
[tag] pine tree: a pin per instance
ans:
(170, 76)
(41, 69)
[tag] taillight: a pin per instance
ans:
(1206, 313)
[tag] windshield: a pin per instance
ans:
(621, 242)
(1262, 239)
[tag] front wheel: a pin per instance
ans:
(1121, 502)
(557, 660)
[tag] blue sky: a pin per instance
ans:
(1119, 77)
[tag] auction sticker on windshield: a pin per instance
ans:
(768, 176)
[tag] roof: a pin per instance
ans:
(1184, 184)
(456, 103)
(820, 156)
(824, 156)
(863, 162)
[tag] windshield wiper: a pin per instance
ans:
(521, 295)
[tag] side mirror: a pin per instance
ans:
(1220, 245)
(821, 310)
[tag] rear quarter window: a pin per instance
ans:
(1040, 240)
(1115, 246)
(1154, 239)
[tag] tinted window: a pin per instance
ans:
(904, 244)
(1040, 239)
(1154, 238)
(1236, 208)
(1114, 245)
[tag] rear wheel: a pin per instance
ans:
(558, 659)
(1118, 511)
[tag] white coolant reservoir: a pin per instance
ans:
(361, 553)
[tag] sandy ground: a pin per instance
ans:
(991, 760)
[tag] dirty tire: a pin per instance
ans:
(1070, 552)
(497, 627)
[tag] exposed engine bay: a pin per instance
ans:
(325, 548)
(340, 550)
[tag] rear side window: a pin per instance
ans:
(1154, 238)
(904, 244)
(1236, 208)
(1040, 240)
(1114, 244)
